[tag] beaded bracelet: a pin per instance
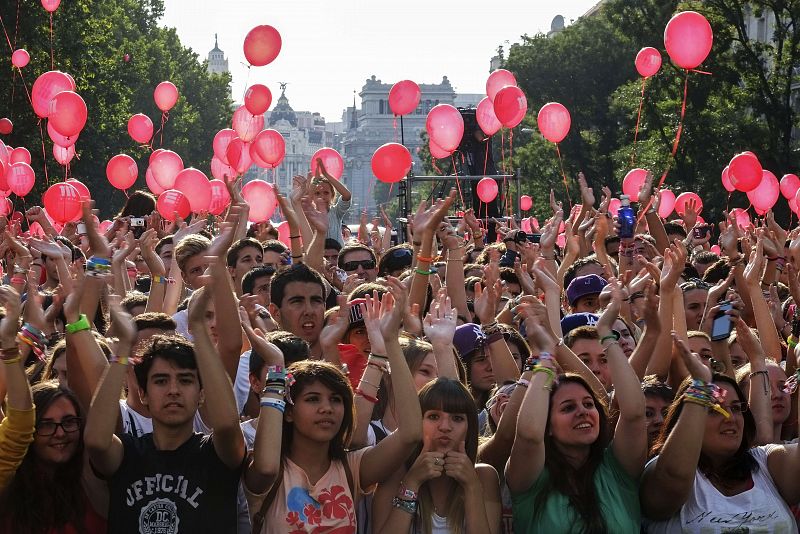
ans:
(278, 404)
(765, 373)
(706, 394)
(409, 507)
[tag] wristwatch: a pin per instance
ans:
(81, 324)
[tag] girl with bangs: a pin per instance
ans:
(442, 490)
(301, 477)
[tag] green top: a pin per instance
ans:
(617, 492)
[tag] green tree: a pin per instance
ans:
(117, 53)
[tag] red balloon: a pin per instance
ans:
(262, 200)
(50, 5)
(222, 171)
(221, 141)
(437, 151)
(82, 190)
(5, 155)
(688, 38)
(445, 126)
(62, 202)
(20, 58)
(61, 140)
(790, 183)
(152, 185)
(20, 178)
(404, 97)
(246, 125)
(487, 190)
(510, 106)
(331, 159)
(257, 99)
(391, 162)
(153, 154)
(613, 206)
(648, 61)
(525, 204)
(6, 126)
(741, 217)
(487, 120)
(726, 180)
(793, 204)
(633, 182)
(46, 87)
(165, 96)
(165, 166)
(262, 45)
(140, 128)
(666, 203)
(683, 199)
(20, 154)
(497, 80)
(270, 146)
(195, 185)
(122, 171)
(766, 194)
(6, 207)
(257, 159)
(284, 235)
(172, 202)
(220, 198)
(67, 113)
(63, 155)
(554, 122)
(745, 171)
(239, 155)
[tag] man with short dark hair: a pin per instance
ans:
(243, 255)
(256, 282)
(357, 259)
(297, 303)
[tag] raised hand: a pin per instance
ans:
(428, 465)
(695, 366)
(97, 242)
(334, 330)
(9, 326)
(371, 312)
(440, 322)
(459, 467)
(587, 193)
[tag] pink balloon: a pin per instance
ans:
(262, 45)
(633, 182)
(741, 217)
(257, 159)
(20, 58)
(67, 113)
(222, 171)
(790, 183)
(257, 99)
(81, 188)
(220, 198)
(716, 250)
(648, 61)
(487, 189)
(262, 200)
(331, 159)
(270, 146)
(510, 106)
(152, 185)
(6, 207)
(445, 126)
(6, 126)
(525, 204)
(613, 206)
(221, 142)
(105, 225)
(391, 162)
(63, 155)
(140, 128)
(666, 203)
(20, 154)
(62, 202)
(284, 235)
(239, 155)
(688, 38)
(487, 120)
(404, 97)
(246, 125)
(525, 225)
(726, 180)
(172, 202)
(437, 151)
(195, 185)
(683, 199)
(766, 194)
(50, 5)
(554, 122)
(47, 86)
(5, 155)
(20, 178)
(153, 154)
(497, 80)
(745, 171)
(58, 139)
(165, 96)
(122, 171)
(165, 166)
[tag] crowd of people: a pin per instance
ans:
(204, 376)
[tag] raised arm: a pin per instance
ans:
(158, 279)
(673, 267)
(767, 333)
(440, 327)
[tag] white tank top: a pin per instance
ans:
(761, 509)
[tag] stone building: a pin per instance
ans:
(217, 64)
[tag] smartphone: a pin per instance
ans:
(722, 326)
(700, 232)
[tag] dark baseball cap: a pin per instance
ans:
(581, 286)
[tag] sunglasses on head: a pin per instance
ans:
(353, 265)
(402, 253)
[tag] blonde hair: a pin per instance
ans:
(189, 247)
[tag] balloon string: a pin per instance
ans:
(511, 164)
(389, 196)
(728, 203)
(680, 130)
(564, 176)
(44, 152)
(394, 126)
(458, 182)
(435, 167)
(502, 151)
(52, 52)
(638, 120)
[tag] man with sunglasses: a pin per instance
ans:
(357, 259)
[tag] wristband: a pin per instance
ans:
(81, 324)
(409, 507)
(10, 353)
(429, 259)
(9, 361)
(100, 261)
(551, 375)
(278, 404)
(422, 272)
(613, 335)
(20, 270)
(523, 382)
(406, 494)
(18, 280)
(491, 338)
(157, 279)
(369, 398)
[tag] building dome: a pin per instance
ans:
(282, 110)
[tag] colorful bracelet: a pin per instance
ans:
(158, 279)
(278, 404)
(122, 360)
(366, 397)
(409, 507)
(706, 394)
(406, 494)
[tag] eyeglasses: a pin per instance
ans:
(353, 265)
(68, 425)
(734, 408)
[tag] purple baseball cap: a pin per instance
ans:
(581, 286)
(468, 337)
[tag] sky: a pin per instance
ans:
(330, 47)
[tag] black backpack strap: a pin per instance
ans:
(258, 517)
